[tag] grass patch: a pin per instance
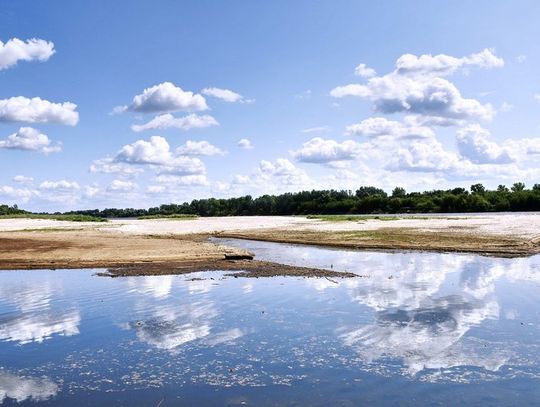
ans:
(361, 218)
(351, 218)
(67, 218)
(171, 217)
(47, 230)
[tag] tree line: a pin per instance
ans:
(10, 210)
(365, 200)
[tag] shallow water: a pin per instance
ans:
(415, 329)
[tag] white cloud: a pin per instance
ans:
(241, 179)
(155, 189)
(442, 65)
(21, 179)
(61, 185)
(380, 127)
(320, 129)
(109, 166)
(167, 121)
(191, 147)
(118, 185)
(91, 190)
(37, 110)
(319, 150)
(353, 89)
(15, 50)
(423, 156)
(183, 180)
(156, 152)
(284, 171)
(537, 97)
(223, 94)
(27, 138)
(416, 87)
(182, 165)
(364, 71)
(165, 97)
(473, 144)
(17, 194)
(520, 149)
(521, 58)
(245, 144)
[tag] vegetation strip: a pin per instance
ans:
(365, 200)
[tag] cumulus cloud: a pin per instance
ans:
(15, 50)
(109, 166)
(167, 121)
(380, 127)
(21, 179)
(319, 150)
(30, 139)
(245, 144)
(61, 185)
(118, 185)
(17, 194)
(285, 172)
(191, 147)
(91, 191)
(165, 97)
(183, 180)
(37, 110)
(364, 71)
(417, 86)
(442, 65)
(423, 156)
(224, 94)
(154, 151)
(474, 144)
(157, 152)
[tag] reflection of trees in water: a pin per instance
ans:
(418, 324)
(35, 320)
(21, 388)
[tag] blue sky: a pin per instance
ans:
(323, 94)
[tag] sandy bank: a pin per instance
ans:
(35, 243)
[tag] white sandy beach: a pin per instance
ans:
(511, 224)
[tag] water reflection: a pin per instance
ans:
(424, 305)
(168, 326)
(21, 388)
(33, 317)
(414, 317)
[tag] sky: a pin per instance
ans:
(139, 103)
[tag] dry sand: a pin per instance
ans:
(522, 225)
(34, 243)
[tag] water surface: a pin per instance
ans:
(415, 329)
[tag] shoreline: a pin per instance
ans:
(489, 246)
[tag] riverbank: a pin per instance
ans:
(49, 244)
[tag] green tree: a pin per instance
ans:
(478, 189)
(398, 192)
(518, 187)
